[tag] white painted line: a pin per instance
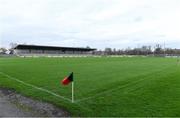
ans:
(80, 100)
(108, 91)
(114, 89)
(35, 87)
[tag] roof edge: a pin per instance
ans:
(43, 46)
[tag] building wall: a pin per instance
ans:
(49, 52)
(21, 51)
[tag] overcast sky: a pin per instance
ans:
(96, 23)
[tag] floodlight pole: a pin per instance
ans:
(164, 49)
(72, 91)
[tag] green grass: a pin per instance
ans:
(115, 86)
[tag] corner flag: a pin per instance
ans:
(67, 79)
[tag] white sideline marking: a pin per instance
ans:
(80, 100)
(108, 91)
(35, 87)
(41, 89)
(114, 89)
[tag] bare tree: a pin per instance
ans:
(3, 50)
(13, 45)
(87, 47)
(108, 51)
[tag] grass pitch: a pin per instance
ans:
(104, 86)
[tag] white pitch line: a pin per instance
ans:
(114, 89)
(80, 100)
(35, 87)
(108, 91)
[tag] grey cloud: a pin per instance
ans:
(97, 23)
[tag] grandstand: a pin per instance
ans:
(28, 50)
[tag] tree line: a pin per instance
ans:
(157, 50)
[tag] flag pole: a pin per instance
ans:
(73, 92)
